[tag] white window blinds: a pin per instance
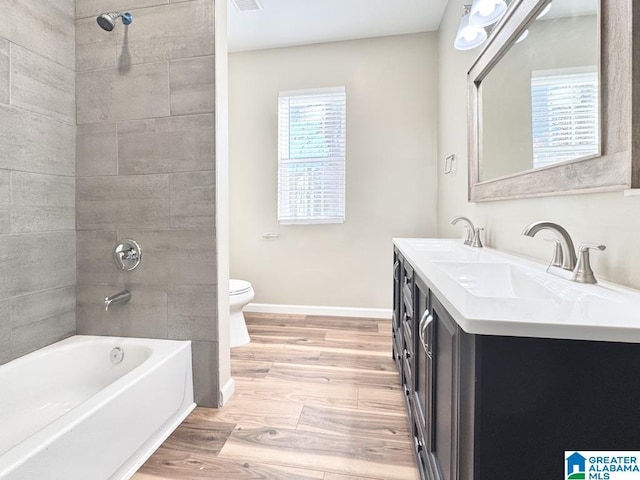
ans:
(564, 111)
(311, 156)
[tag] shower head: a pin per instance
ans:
(107, 21)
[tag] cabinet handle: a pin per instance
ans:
(423, 330)
(395, 269)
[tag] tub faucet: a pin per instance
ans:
(120, 297)
(473, 234)
(567, 251)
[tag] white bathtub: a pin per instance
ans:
(68, 412)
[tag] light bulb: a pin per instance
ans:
(486, 8)
(470, 34)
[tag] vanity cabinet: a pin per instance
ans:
(428, 370)
(486, 407)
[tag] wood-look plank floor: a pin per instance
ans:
(317, 398)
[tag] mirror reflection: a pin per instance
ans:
(539, 105)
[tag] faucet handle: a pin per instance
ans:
(558, 256)
(475, 241)
(583, 272)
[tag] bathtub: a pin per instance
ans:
(71, 411)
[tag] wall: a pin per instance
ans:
(390, 168)
(37, 169)
(607, 218)
(145, 170)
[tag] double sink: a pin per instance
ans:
(491, 292)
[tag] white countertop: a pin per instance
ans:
(517, 297)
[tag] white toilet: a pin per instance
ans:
(240, 293)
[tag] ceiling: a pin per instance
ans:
(285, 23)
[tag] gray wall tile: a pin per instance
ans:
(42, 26)
(92, 8)
(95, 47)
(43, 144)
(174, 144)
(95, 257)
(32, 263)
(109, 203)
(92, 319)
(145, 315)
(205, 385)
(168, 32)
(42, 203)
(96, 150)
(95, 56)
(192, 313)
(42, 85)
(5, 201)
(193, 200)
(5, 333)
(191, 85)
(4, 71)
(109, 95)
(158, 185)
(174, 257)
(39, 334)
(42, 305)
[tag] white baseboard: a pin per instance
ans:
(378, 313)
(227, 392)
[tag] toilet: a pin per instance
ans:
(240, 293)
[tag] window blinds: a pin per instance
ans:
(564, 111)
(311, 156)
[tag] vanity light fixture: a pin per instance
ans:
(486, 12)
(469, 36)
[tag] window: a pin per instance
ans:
(564, 111)
(311, 156)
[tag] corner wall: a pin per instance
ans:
(608, 218)
(145, 170)
(37, 170)
(391, 85)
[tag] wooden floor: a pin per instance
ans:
(316, 398)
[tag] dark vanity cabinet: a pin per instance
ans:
(429, 373)
(486, 407)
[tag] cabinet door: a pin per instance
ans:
(442, 340)
(422, 373)
(397, 313)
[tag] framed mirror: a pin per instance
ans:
(550, 101)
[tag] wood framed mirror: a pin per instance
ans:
(508, 156)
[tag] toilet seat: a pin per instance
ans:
(238, 287)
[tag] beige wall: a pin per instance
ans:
(609, 218)
(391, 85)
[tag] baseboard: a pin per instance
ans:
(227, 392)
(377, 313)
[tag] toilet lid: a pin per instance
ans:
(237, 287)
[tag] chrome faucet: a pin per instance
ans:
(120, 297)
(473, 234)
(567, 251)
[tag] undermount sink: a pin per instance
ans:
(497, 279)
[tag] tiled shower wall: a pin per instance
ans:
(145, 170)
(37, 170)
